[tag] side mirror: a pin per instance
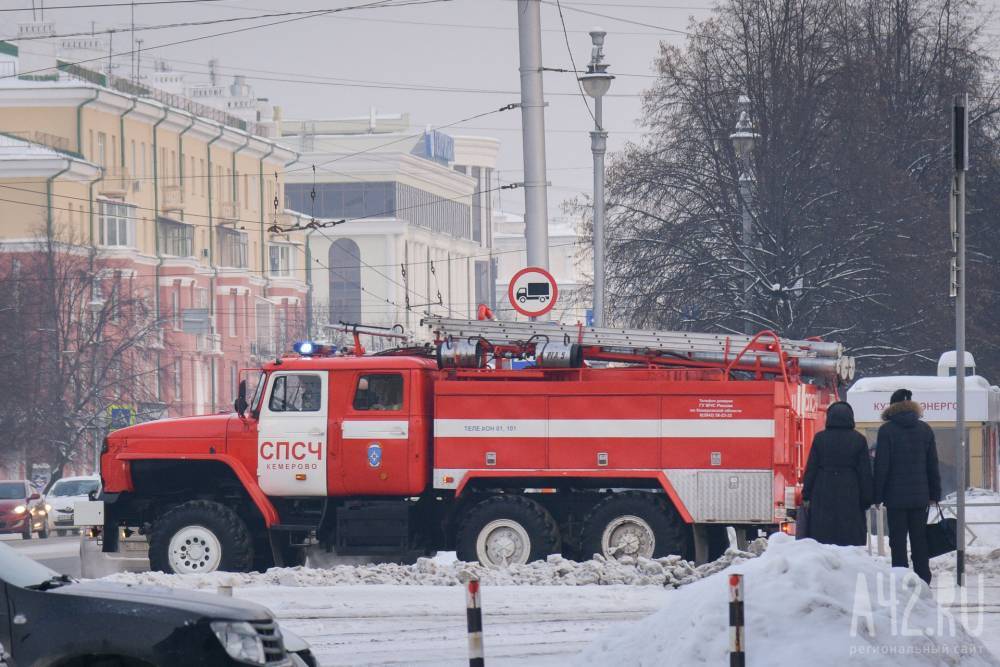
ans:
(241, 399)
(35, 496)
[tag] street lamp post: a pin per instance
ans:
(743, 139)
(596, 83)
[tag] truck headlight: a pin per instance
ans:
(240, 640)
(19, 509)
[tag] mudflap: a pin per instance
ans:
(131, 555)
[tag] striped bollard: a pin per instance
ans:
(474, 615)
(737, 640)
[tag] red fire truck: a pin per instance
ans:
(503, 441)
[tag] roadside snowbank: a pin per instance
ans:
(671, 571)
(802, 600)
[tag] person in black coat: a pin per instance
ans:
(838, 481)
(907, 479)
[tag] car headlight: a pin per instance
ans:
(48, 508)
(19, 509)
(240, 640)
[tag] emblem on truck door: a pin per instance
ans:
(375, 455)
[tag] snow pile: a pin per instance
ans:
(804, 602)
(671, 571)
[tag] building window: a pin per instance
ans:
(178, 380)
(232, 247)
(234, 379)
(176, 238)
(202, 177)
(233, 306)
(345, 281)
(477, 196)
(175, 308)
(280, 256)
(343, 200)
(116, 224)
(264, 340)
(191, 177)
(102, 149)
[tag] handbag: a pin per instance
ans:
(802, 522)
(942, 536)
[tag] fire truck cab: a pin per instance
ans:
(406, 453)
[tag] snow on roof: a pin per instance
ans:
(917, 383)
(14, 148)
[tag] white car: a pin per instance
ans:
(63, 495)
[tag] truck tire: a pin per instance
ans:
(200, 536)
(507, 530)
(635, 523)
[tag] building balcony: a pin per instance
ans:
(208, 344)
(172, 198)
(229, 211)
(262, 349)
(117, 185)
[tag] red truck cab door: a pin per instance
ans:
(292, 434)
(374, 431)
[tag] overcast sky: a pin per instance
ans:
(470, 45)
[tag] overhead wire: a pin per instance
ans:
(138, 3)
(572, 61)
(375, 4)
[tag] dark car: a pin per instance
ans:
(19, 509)
(50, 620)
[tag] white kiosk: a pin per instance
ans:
(936, 395)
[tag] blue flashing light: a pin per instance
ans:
(304, 347)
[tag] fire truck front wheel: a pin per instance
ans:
(200, 536)
(635, 524)
(506, 530)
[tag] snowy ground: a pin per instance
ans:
(801, 601)
(420, 619)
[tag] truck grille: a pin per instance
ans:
(274, 645)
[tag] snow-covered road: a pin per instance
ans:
(425, 625)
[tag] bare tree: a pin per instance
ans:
(73, 343)
(848, 201)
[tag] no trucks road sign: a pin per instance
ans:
(532, 291)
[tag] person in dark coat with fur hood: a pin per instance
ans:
(838, 481)
(907, 479)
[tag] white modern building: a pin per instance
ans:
(568, 260)
(413, 222)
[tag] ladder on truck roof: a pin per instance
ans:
(764, 352)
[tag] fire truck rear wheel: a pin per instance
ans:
(200, 536)
(635, 524)
(507, 530)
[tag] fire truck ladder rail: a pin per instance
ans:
(821, 358)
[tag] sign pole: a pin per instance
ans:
(960, 145)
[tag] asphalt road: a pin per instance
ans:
(62, 554)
